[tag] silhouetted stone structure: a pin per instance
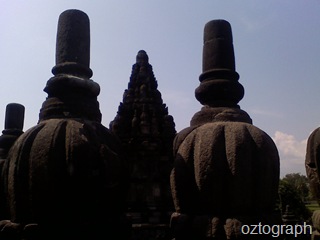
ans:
(312, 162)
(313, 172)
(66, 176)
(13, 127)
(226, 170)
(146, 132)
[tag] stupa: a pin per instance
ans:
(66, 176)
(226, 170)
(13, 126)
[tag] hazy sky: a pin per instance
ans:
(277, 50)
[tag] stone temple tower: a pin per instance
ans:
(66, 176)
(146, 131)
(226, 170)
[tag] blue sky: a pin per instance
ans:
(277, 50)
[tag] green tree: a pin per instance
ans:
(300, 183)
(293, 191)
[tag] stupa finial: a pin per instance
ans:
(73, 44)
(14, 116)
(71, 92)
(13, 126)
(219, 86)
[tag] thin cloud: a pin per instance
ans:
(292, 153)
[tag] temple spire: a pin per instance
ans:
(146, 130)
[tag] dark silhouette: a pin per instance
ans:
(13, 127)
(67, 175)
(313, 172)
(146, 131)
(226, 171)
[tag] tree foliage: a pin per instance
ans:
(294, 191)
(300, 183)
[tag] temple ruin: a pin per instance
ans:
(70, 177)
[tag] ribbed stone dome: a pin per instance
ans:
(65, 167)
(230, 168)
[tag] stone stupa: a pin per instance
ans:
(66, 177)
(226, 170)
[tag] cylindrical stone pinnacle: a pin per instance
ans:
(219, 86)
(14, 116)
(218, 52)
(71, 92)
(73, 42)
(73, 38)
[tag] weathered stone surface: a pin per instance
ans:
(76, 173)
(67, 175)
(218, 50)
(312, 162)
(219, 114)
(222, 163)
(73, 57)
(226, 170)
